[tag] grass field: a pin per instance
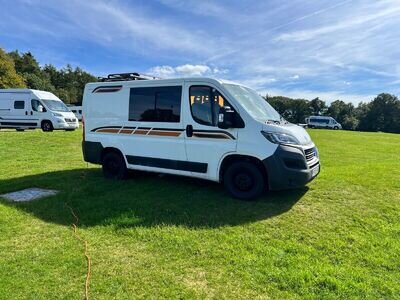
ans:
(171, 237)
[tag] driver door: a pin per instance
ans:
(37, 110)
(206, 143)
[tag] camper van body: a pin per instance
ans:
(28, 109)
(323, 122)
(176, 126)
(77, 110)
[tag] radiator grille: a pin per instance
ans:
(310, 153)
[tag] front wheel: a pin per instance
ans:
(47, 126)
(114, 166)
(336, 128)
(244, 180)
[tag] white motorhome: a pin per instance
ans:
(199, 127)
(323, 122)
(28, 109)
(77, 110)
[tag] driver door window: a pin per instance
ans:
(36, 104)
(205, 103)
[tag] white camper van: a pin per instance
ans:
(199, 127)
(323, 122)
(28, 109)
(77, 110)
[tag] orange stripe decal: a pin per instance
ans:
(141, 131)
(164, 133)
(108, 130)
(126, 131)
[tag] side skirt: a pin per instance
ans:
(167, 164)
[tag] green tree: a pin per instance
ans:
(25, 62)
(381, 114)
(344, 113)
(8, 75)
(318, 107)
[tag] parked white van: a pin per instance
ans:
(28, 109)
(322, 122)
(77, 110)
(199, 127)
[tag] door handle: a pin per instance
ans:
(31, 113)
(189, 130)
(26, 113)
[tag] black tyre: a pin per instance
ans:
(336, 128)
(47, 126)
(20, 129)
(114, 166)
(244, 180)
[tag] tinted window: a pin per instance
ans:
(19, 104)
(205, 103)
(155, 104)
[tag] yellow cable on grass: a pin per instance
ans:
(88, 261)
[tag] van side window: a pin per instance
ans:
(155, 104)
(19, 104)
(205, 103)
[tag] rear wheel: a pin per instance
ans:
(244, 180)
(20, 129)
(47, 126)
(114, 166)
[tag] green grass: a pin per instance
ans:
(172, 237)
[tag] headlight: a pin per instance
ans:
(57, 114)
(280, 138)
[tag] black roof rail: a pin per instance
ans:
(126, 77)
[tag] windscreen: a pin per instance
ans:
(55, 105)
(253, 103)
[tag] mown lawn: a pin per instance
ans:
(170, 237)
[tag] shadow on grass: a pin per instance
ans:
(144, 200)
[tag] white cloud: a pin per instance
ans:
(162, 71)
(295, 77)
(308, 34)
(186, 70)
(192, 70)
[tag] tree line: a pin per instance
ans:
(381, 114)
(21, 70)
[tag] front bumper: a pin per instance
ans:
(288, 168)
(60, 124)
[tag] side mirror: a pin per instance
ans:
(40, 108)
(226, 117)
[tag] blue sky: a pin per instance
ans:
(347, 50)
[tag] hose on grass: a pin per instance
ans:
(88, 260)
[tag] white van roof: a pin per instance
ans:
(37, 93)
(162, 81)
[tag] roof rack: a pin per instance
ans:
(126, 77)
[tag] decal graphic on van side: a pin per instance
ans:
(169, 132)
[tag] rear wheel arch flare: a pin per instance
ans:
(110, 149)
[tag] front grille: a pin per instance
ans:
(310, 153)
(70, 120)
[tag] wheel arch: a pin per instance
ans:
(231, 158)
(108, 150)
